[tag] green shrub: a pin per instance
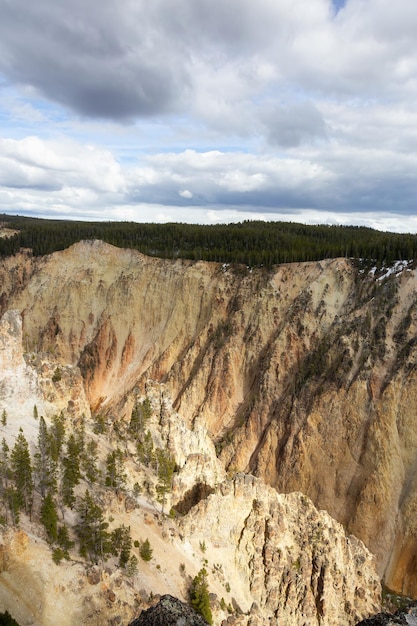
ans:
(57, 555)
(145, 550)
(56, 377)
(131, 566)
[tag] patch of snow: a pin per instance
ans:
(397, 268)
(386, 272)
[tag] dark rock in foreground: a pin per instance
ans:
(169, 612)
(405, 618)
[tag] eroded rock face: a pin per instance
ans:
(268, 557)
(305, 377)
(27, 379)
(18, 381)
(287, 560)
(198, 468)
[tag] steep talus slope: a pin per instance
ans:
(304, 376)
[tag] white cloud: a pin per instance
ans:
(186, 193)
(40, 164)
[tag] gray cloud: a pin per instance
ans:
(96, 62)
(122, 60)
(293, 124)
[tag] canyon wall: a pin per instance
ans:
(269, 557)
(303, 376)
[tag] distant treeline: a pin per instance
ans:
(252, 243)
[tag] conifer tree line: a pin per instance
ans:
(252, 243)
(64, 474)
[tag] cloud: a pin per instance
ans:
(293, 125)
(109, 62)
(58, 166)
(202, 108)
(122, 60)
(186, 193)
(72, 177)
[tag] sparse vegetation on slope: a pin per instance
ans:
(53, 485)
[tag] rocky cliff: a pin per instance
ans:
(288, 561)
(268, 557)
(304, 376)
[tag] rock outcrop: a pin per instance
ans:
(304, 376)
(288, 561)
(169, 612)
(198, 469)
(405, 618)
(270, 559)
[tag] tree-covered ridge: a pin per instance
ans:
(252, 243)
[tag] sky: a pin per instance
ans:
(210, 111)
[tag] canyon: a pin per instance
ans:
(292, 393)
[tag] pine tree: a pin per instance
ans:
(145, 550)
(121, 544)
(49, 517)
(4, 467)
(21, 467)
(57, 435)
(5, 475)
(115, 477)
(131, 566)
(89, 460)
(134, 424)
(7, 620)
(166, 467)
(141, 414)
(64, 541)
(13, 504)
(45, 468)
(100, 426)
(80, 436)
(145, 449)
(91, 530)
(71, 474)
(4, 417)
(200, 598)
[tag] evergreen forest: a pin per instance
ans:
(252, 243)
